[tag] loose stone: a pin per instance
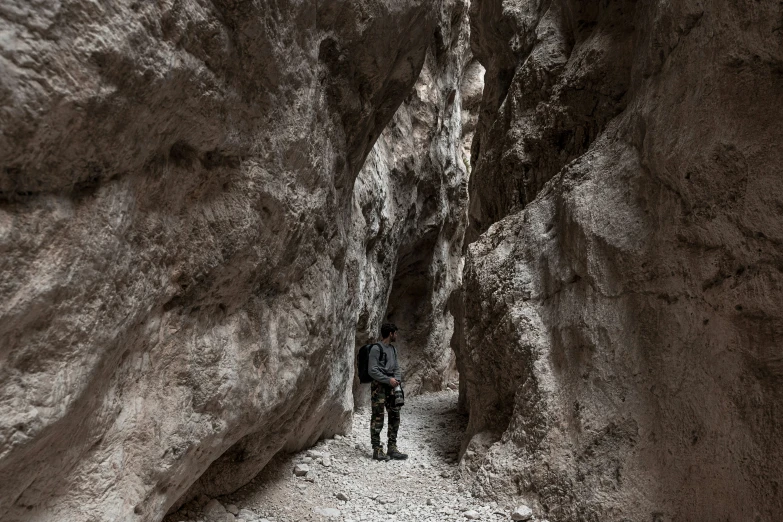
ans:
(248, 515)
(522, 513)
(328, 512)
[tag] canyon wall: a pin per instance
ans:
(623, 296)
(206, 207)
(186, 254)
(411, 198)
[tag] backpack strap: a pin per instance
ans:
(381, 352)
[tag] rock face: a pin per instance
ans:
(180, 284)
(623, 304)
(410, 203)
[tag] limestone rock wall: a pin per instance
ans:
(411, 201)
(620, 343)
(180, 281)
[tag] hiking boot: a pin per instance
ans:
(378, 454)
(395, 454)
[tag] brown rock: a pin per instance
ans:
(623, 299)
(180, 282)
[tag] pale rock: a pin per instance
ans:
(181, 180)
(471, 515)
(327, 512)
(522, 513)
(248, 515)
(217, 516)
(213, 508)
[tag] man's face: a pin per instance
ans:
(393, 336)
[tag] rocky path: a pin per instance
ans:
(339, 482)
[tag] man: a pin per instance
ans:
(384, 369)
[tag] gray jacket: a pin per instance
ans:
(389, 368)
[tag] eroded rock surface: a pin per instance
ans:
(411, 201)
(179, 290)
(624, 301)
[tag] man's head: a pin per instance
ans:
(389, 331)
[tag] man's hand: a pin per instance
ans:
(393, 382)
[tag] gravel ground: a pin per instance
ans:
(342, 482)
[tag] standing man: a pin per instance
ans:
(386, 376)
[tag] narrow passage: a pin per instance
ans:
(423, 488)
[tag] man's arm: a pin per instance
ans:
(374, 365)
(397, 371)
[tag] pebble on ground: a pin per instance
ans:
(337, 481)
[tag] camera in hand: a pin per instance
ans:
(399, 396)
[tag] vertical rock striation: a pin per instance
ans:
(177, 237)
(623, 300)
(410, 209)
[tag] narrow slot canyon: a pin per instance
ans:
(572, 210)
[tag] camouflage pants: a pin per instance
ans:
(383, 397)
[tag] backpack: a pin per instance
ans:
(363, 362)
